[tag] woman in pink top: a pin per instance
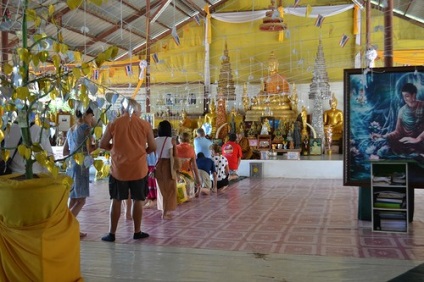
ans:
(186, 153)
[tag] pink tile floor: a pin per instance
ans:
(286, 216)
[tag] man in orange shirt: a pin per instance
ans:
(128, 174)
(233, 153)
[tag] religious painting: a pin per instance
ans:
(315, 146)
(384, 119)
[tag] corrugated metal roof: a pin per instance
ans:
(122, 23)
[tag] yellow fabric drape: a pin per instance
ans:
(39, 236)
(355, 20)
(140, 82)
(413, 57)
(281, 32)
(208, 25)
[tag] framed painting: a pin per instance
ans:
(63, 122)
(315, 146)
(384, 119)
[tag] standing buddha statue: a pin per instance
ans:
(210, 119)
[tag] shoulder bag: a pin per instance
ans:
(153, 173)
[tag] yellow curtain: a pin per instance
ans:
(39, 236)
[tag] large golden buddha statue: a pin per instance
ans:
(333, 120)
(273, 99)
(186, 124)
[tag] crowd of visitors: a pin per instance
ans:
(143, 169)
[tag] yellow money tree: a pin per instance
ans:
(38, 75)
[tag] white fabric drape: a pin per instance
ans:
(242, 17)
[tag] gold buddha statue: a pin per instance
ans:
(333, 120)
(273, 99)
(185, 123)
(210, 118)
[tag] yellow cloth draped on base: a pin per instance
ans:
(39, 236)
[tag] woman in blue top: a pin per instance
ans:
(78, 140)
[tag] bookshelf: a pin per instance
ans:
(389, 196)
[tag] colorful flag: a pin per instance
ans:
(155, 58)
(96, 74)
(175, 36)
(197, 19)
(296, 2)
(319, 20)
(344, 40)
(308, 11)
(128, 70)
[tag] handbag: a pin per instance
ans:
(153, 173)
(5, 166)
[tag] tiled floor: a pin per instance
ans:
(265, 216)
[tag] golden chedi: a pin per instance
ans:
(273, 99)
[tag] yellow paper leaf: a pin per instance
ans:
(103, 118)
(41, 158)
(77, 56)
(96, 152)
(5, 154)
(1, 135)
(97, 2)
(27, 153)
(98, 165)
(21, 150)
(54, 94)
(79, 158)
(86, 69)
(35, 59)
(98, 131)
(77, 73)
(22, 92)
(36, 147)
(23, 54)
(63, 48)
(43, 56)
(73, 4)
(7, 68)
(51, 10)
(60, 37)
(56, 61)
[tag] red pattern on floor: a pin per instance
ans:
(288, 216)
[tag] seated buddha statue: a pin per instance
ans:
(333, 120)
(210, 118)
(185, 123)
(273, 99)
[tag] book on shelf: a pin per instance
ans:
(387, 205)
(389, 200)
(390, 194)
